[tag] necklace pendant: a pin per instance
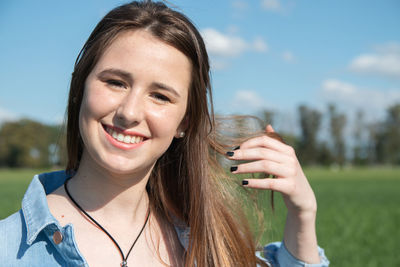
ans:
(124, 264)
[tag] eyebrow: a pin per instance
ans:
(128, 77)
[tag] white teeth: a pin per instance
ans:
(128, 139)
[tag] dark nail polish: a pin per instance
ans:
(236, 148)
(245, 182)
(230, 153)
(233, 168)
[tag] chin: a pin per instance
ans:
(119, 168)
(124, 167)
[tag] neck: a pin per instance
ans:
(110, 196)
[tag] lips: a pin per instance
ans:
(123, 136)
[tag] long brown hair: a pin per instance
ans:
(185, 182)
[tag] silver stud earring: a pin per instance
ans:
(182, 134)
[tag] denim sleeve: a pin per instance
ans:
(277, 255)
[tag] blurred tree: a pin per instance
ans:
(61, 145)
(27, 143)
(325, 156)
(384, 138)
(290, 139)
(268, 116)
(391, 146)
(359, 133)
(337, 125)
(375, 143)
(310, 121)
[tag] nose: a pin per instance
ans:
(130, 111)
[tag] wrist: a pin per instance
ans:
(307, 208)
(303, 216)
(300, 236)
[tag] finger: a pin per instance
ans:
(269, 129)
(280, 185)
(258, 153)
(264, 166)
(268, 142)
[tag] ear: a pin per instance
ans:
(182, 127)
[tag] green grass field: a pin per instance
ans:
(358, 212)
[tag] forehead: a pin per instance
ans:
(141, 52)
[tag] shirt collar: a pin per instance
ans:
(34, 204)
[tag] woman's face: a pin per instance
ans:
(134, 103)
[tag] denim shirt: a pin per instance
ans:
(33, 237)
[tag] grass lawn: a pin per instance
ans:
(13, 184)
(358, 220)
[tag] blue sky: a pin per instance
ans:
(268, 54)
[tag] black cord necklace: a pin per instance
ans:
(124, 259)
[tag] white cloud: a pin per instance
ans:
(384, 62)
(386, 65)
(248, 100)
(218, 64)
(6, 115)
(222, 45)
(227, 45)
(373, 101)
(288, 56)
(273, 5)
(338, 87)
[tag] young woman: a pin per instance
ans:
(141, 187)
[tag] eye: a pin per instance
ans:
(161, 97)
(115, 83)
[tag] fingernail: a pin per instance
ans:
(230, 153)
(236, 148)
(245, 182)
(233, 168)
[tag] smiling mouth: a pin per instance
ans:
(123, 137)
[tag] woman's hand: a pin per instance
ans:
(270, 156)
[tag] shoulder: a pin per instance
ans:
(13, 233)
(11, 226)
(15, 250)
(24, 240)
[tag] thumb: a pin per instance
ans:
(269, 129)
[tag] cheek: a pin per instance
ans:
(93, 108)
(97, 103)
(164, 121)
(85, 113)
